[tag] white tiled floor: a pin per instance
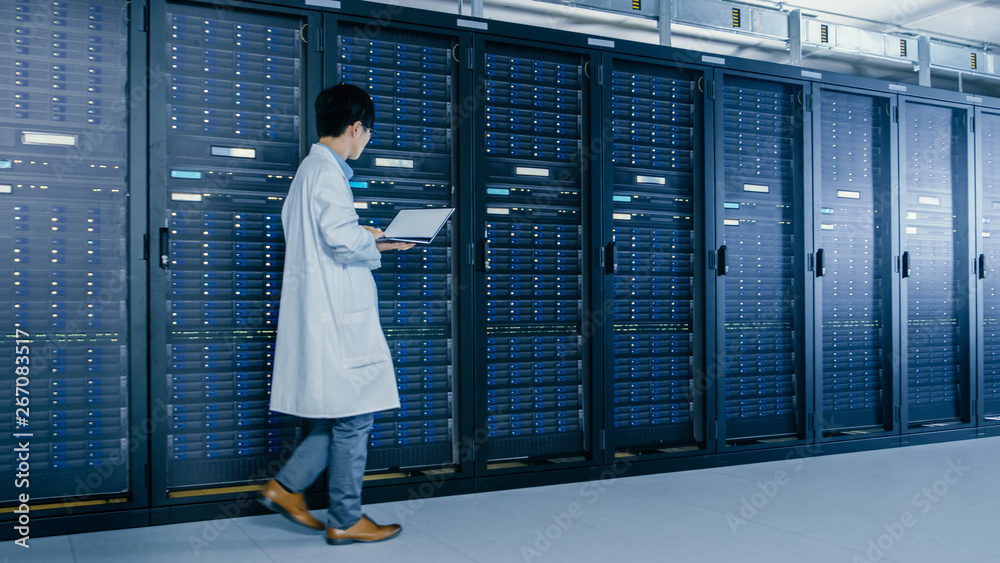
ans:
(920, 504)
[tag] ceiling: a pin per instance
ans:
(971, 22)
(966, 22)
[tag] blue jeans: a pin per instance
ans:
(339, 445)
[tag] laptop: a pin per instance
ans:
(419, 226)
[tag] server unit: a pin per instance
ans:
(988, 172)
(760, 261)
(409, 163)
(934, 265)
(66, 350)
(853, 263)
(655, 162)
(533, 184)
(232, 121)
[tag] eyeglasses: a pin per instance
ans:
(369, 128)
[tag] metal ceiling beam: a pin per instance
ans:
(795, 37)
(665, 20)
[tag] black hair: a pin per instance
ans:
(340, 106)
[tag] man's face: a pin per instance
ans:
(360, 134)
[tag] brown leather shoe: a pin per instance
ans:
(292, 506)
(364, 531)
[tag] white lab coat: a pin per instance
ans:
(331, 359)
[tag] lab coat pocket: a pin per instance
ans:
(361, 335)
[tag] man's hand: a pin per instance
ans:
(383, 246)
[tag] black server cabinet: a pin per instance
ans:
(64, 199)
(760, 261)
(232, 119)
(935, 263)
(854, 171)
(656, 191)
(532, 184)
(988, 239)
(410, 163)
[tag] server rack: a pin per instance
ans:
(534, 375)
(988, 175)
(410, 163)
(854, 278)
(64, 193)
(655, 170)
(760, 261)
(233, 136)
(935, 263)
(921, 377)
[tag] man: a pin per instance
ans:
(332, 362)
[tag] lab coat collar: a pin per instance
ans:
(348, 171)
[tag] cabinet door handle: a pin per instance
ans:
(486, 254)
(611, 258)
(906, 264)
(982, 266)
(164, 247)
(820, 263)
(722, 268)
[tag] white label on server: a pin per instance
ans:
(713, 60)
(986, 234)
(731, 222)
(335, 4)
(897, 87)
(55, 139)
(848, 194)
(6, 189)
(928, 200)
(826, 226)
(185, 197)
(911, 230)
(472, 24)
(394, 162)
(360, 205)
(601, 42)
(911, 215)
(527, 171)
(811, 74)
(498, 210)
(650, 180)
(621, 216)
(757, 188)
(234, 152)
